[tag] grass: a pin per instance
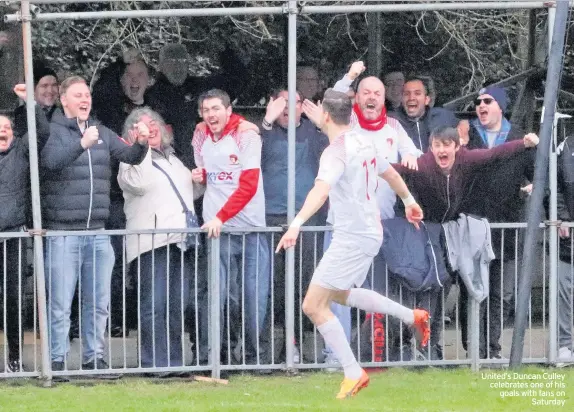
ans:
(393, 390)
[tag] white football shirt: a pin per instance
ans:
(351, 165)
(393, 142)
(223, 161)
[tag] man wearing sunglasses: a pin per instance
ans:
(505, 203)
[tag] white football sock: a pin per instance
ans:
(335, 338)
(371, 301)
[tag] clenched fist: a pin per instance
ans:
(531, 140)
(197, 175)
(90, 137)
(356, 69)
(142, 132)
(20, 90)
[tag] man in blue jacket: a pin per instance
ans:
(505, 202)
(416, 115)
(309, 144)
(75, 191)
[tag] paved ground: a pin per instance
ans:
(124, 353)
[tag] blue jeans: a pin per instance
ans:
(253, 273)
(164, 293)
(89, 259)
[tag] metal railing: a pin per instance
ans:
(221, 307)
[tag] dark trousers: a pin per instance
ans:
(198, 309)
(164, 292)
(117, 220)
(307, 255)
(494, 310)
(11, 253)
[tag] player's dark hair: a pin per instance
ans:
(339, 106)
(445, 133)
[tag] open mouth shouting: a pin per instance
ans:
(443, 160)
(84, 111)
(214, 124)
(412, 106)
(134, 91)
(483, 114)
(6, 134)
(5, 140)
(370, 108)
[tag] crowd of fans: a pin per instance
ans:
(136, 155)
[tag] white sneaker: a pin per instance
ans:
(333, 364)
(565, 357)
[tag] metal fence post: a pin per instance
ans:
(290, 255)
(553, 76)
(474, 333)
(35, 188)
(553, 250)
(214, 307)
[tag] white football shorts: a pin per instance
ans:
(342, 267)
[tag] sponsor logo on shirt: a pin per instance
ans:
(219, 177)
(233, 160)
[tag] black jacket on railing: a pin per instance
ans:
(15, 176)
(75, 183)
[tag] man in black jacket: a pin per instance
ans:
(14, 201)
(416, 115)
(45, 95)
(505, 202)
(119, 90)
(75, 190)
(174, 94)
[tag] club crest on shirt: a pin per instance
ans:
(233, 159)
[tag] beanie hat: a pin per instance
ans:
(173, 51)
(42, 71)
(498, 94)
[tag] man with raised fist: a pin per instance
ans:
(75, 191)
(15, 201)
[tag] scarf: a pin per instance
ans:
(376, 124)
(230, 127)
(500, 137)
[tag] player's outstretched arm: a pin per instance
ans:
(413, 211)
(315, 199)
